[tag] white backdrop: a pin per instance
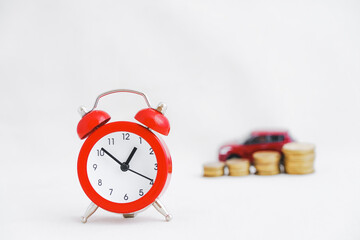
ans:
(224, 68)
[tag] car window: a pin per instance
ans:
(257, 140)
(249, 141)
(277, 138)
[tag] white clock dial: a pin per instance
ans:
(122, 167)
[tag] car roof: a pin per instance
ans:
(269, 132)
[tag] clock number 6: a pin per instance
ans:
(126, 197)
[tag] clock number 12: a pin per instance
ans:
(126, 136)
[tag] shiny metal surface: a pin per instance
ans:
(89, 211)
(121, 91)
(161, 209)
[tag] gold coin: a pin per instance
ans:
(268, 167)
(295, 166)
(298, 168)
(214, 165)
(238, 173)
(300, 158)
(298, 148)
(307, 171)
(213, 174)
(266, 157)
(214, 169)
(266, 161)
(264, 173)
(299, 164)
(238, 163)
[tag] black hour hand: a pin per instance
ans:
(131, 156)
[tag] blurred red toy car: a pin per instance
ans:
(258, 140)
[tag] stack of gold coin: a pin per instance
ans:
(299, 158)
(238, 166)
(267, 162)
(214, 169)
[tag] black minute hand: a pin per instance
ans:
(140, 175)
(112, 156)
(125, 165)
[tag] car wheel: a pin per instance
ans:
(233, 156)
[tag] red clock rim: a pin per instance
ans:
(161, 177)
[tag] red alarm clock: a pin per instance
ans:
(123, 167)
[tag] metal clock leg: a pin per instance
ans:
(89, 211)
(161, 209)
(129, 215)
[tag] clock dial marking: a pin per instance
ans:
(103, 149)
(140, 175)
(131, 155)
(124, 166)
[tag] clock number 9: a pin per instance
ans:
(126, 197)
(95, 166)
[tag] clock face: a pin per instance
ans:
(122, 167)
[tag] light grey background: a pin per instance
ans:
(224, 68)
